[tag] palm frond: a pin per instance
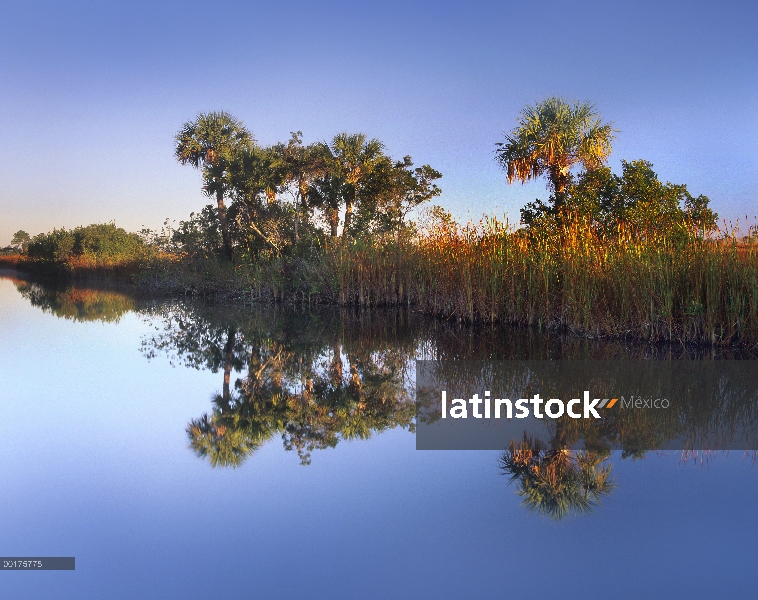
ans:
(551, 137)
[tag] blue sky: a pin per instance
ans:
(92, 93)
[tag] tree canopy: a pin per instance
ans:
(281, 195)
(636, 199)
(550, 139)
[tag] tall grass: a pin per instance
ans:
(573, 278)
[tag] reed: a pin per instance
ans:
(572, 278)
(577, 278)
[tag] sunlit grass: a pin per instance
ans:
(572, 278)
(679, 287)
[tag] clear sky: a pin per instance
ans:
(92, 93)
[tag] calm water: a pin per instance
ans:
(122, 445)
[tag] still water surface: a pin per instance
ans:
(187, 451)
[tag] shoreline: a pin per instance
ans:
(237, 299)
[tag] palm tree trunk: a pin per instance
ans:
(302, 192)
(349, 202)
(334, 221)
(228, 356)
(348, 217)
(559, 181)
(335, 367)
(224, 224)
(297, 197)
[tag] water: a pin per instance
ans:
(95, 432)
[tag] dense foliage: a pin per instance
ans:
(94, 246)
(636, 201)
(290, 198)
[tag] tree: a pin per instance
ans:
(255, 173)
(303, 165)
(702, 219)
(391, 192)
(326, 193)
(649, 205)
(210, 142)
(551, 138)
(352, 159)
(20, 240)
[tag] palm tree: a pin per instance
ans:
(354, 159)
(325, 193)
(303, 165)
(210, 142)
(552, 137)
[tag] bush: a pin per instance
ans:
(53, 247)
(635, 201)
(94, 246)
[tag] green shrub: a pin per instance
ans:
(93, 246)
(53, 247)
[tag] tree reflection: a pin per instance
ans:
(77, 303)
(310, 379)
(556, 481)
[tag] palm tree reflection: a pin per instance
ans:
(312, 395)
(557, 482)
(318, 378)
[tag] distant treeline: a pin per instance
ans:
(100, 248)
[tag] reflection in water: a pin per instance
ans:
(558, 466)
(308, 378)
(76, 303)
(557, 481)
(318, 376)
(709, 404)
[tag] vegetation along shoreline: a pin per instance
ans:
(341, 222)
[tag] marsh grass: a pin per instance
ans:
(630, 283)
(650, 287)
